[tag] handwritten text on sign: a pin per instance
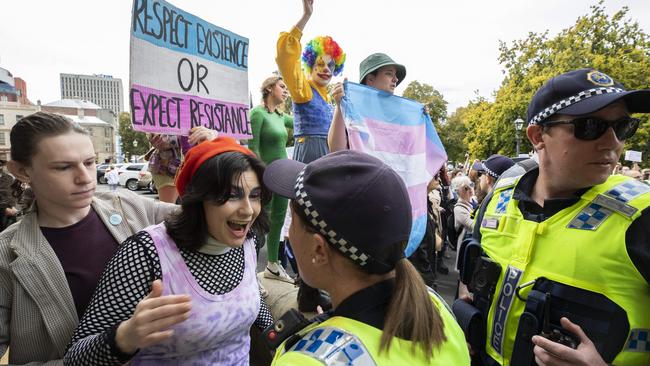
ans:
(186, 72)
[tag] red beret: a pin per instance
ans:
(202, 152)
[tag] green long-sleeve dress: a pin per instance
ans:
(269, 144)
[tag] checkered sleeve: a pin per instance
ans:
(119, 291)
(127, 280)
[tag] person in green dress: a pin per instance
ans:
(269, 142)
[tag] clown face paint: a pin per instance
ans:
(321, 72)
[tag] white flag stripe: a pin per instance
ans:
(223, 83)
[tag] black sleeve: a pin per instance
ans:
(637, 241)
(126, 280)
(264, 317)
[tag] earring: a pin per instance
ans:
(313, 260)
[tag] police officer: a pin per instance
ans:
(351, 219)
(490, 170)
(567, 240)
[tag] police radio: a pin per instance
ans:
(289, 324)
(553, 333)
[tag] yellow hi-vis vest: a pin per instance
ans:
(582, 246)
(346, 342)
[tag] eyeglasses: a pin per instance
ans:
(592, 128)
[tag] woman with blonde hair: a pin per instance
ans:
(269, 143)
(351, 219)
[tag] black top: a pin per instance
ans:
(83, 249)
(637, 236)
(368, 306)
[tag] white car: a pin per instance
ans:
(130, 174)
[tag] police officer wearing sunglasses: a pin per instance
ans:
(561, 274)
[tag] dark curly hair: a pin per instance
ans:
(213, 182)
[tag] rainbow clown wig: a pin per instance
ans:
(323, 45)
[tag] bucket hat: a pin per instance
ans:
(377, 60)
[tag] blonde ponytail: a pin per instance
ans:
(411, 313)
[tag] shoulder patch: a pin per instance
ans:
(628, 190)
(615, 205)
(333, 347)
(590, 217)
(502, 203)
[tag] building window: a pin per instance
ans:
(107, 132)
(91, 131)
(2, 119)
(2, 138)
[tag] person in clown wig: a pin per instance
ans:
(322, 58)
(312, 109)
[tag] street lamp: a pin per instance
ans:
(135, 145)
(519, 124)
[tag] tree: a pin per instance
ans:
(452, 133)
(129, 135)
(430, 97)
(614, 45)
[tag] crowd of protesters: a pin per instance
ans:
(550, 252)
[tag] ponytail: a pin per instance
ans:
(421, 323)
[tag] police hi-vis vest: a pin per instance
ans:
(341, 341)
(582, 246)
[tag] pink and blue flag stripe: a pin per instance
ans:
(397, 131)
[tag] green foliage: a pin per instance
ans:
(128, 135)
(430, 97)
(452, 133)
(614, 45)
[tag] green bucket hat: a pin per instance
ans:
(377, 60)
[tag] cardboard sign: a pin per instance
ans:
(631, 155)
(186, 72)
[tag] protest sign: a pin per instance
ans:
(186, 72)
(631, 155)
(397, 131)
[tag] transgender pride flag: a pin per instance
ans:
(397, 131)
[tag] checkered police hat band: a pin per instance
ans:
(317, 221)
(585, 94)
(489, 172)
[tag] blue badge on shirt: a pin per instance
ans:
(115, 219)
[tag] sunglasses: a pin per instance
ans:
(592, 128)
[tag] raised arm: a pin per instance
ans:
(288, 55)
(337, 138)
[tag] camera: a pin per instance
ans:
(485, 277)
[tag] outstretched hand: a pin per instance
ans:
(151, 320)
(307, 10)
(549, 353)
(307, 7)
(200, 134)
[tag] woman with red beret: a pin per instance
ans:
(185, 291)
